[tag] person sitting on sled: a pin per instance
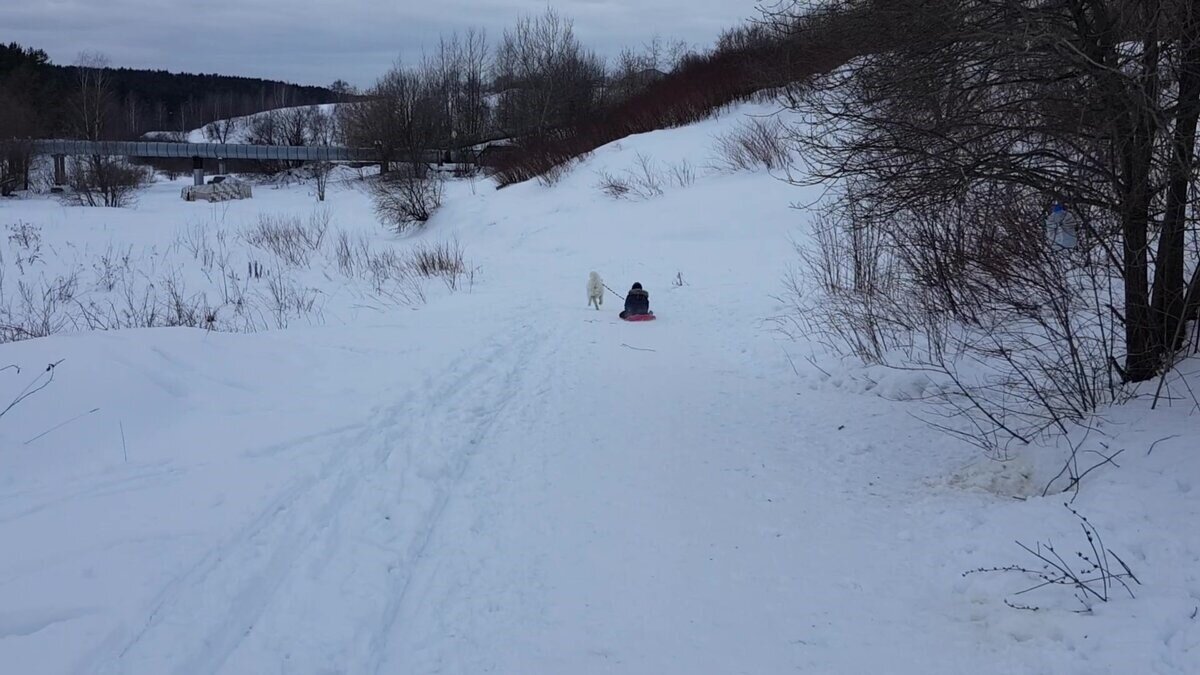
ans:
(637, 302)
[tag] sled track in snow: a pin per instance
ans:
(505, 392)
(329, 534)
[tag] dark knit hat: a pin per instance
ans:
(637, 286)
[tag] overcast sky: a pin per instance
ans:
(318, 41)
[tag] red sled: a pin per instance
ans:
(639, 317)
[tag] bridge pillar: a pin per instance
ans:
(221, 166)
(60, 169)
(197, 170)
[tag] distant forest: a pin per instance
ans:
(40, 99)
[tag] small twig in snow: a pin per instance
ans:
(640, 349)
(812, 360)
(61, 425)
(30, 390)
(1160, 441)
(789, 359)
(1075, 480)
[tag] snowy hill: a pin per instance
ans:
(478, 473)
(241, 125)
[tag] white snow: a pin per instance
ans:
(240, 132)
(500, 479)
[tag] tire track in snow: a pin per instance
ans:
(203, 617)
(509, 390)
(191, 584)
(149, 477)
(452, 562)
(277, 520)
(437, 437)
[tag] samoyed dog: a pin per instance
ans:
(595, 290)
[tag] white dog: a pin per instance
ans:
(595, 290)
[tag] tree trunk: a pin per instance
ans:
(1143, 346)
(1141, 343)
(1169, 287)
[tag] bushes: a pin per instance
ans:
(302, 125)
(646, 179)
(1092, 575)
(545, 76)
(755, 144)
(748, 61)
(935, 256)
(534, 157)
(406, 199)
(1016, 339)
(105, 181)
(443, 260)
(281, 270)
(288, 238)
(947, 113)
(553, 174)
(687, 95)
(41, 308)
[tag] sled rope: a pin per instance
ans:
(612, 291)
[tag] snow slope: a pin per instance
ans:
(503, 480)
(240, 132)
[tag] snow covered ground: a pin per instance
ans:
(497, 478)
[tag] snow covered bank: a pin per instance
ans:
(504, 480)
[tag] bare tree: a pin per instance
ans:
(264, 129)
(950, 134)
(343, 90)
(226, 123)
(99, 180)
(322, 131)
(285, 126)
(637, 69)
(406, 199)
(440, 104)
(401, 117)
(222, 130)
(93, 99)
(105, 181)
(1169, 292)
(191, 114)
(296, 124)
(458, 72)
(546, 78)
(473, 113)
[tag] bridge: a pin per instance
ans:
(198, 152)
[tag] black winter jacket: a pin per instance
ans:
(637, 302)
